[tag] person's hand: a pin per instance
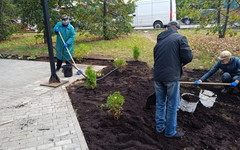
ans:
(57, 30)
(197, 82)
(65, 45)
(234, 83)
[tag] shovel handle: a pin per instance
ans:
(67, 48)
(205, 83)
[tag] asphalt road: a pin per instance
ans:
(183, 26)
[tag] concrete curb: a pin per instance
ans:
(78, 129)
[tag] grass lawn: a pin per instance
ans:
(206, 48)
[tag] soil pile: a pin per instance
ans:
(207, 128)
(190, 98)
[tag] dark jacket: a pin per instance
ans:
(233, 67)
(170, 53)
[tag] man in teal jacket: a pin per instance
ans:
(68, 33)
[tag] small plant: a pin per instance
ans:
(98, 73)
(32, 57)
(136, 53)
(9, 56)
(81, 52)
(120, 64)
(20, 57)
(114, 104)
(75, 111)
(91, 81)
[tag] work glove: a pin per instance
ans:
(79, 72)
(65, 45)
(56, 30)
(234, 83)
(197, 82)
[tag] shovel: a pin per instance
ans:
(151, 100)
(74, 64)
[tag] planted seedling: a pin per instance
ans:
(120, 64)
(91, 82)
(99, 73)
(114, 104)
(136, 53)
(9, 56)
(32, 57)
(20, 57)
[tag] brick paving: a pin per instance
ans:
(43, 117)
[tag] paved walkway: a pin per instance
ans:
(43, 117)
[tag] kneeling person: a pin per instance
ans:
(230, 65)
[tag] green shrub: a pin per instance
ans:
(6, 30)
(136, 53)
(81, 52)
(38, 37)
(114, 104)
(91, 82)
(120, 64)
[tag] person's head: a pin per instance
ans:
(173, 24)
(225, 57)
(65, 19)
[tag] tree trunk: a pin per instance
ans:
(104, 20)
(219, 17)
(1, 10)
(226, 21)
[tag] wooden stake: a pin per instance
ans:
(9, 121)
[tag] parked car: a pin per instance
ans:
(31, 28)
(204, 14)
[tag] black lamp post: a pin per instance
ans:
(54, 78)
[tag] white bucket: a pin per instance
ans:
(187, 106)
(207, 98)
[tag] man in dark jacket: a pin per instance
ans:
(171, 53)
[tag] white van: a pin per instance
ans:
(156, 13)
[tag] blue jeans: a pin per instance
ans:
(227, 78)
(167, 93)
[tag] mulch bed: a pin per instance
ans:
(207, 128)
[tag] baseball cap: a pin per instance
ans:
(224, 55)
(174, 23)
(64, 17)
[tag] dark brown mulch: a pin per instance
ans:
(207, 128)
(190, 98)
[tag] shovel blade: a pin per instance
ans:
(151, 100)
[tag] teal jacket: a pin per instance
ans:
(68, 34)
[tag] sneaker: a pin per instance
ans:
(176, 135)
